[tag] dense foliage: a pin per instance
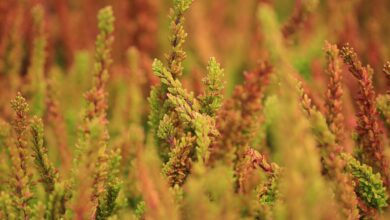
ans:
(256, 109)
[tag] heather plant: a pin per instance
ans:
(368, 130)
(220, 110)
(93, 156)
(21, 184)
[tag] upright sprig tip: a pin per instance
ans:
(214, 84)
(350, 57)
(182, 5)
(214, 80)
(19, 104)
(214, 67)
(106, 20)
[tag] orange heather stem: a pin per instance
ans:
(334, 116)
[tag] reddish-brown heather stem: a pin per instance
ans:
(368, 127)
(240, 115)
(239, 119)
(332, 162)
(253, 160)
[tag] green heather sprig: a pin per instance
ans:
(157, 115)
(174, 59)
(203, 126)
(188, 112)
(173, 85)
(369, 185)
(212, 99)
(172, 105)
(166, 128)
(25, 207)
(188, 109)
(48, 174)
(177, 38)
(36, 70)
(21, 183)
(205, 133)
